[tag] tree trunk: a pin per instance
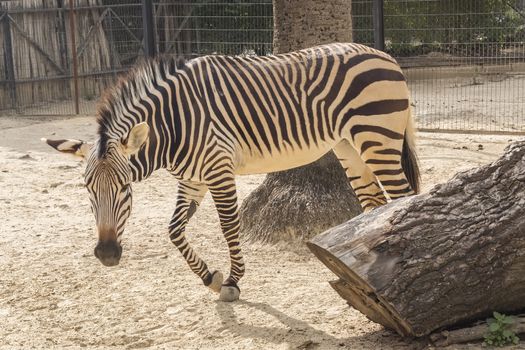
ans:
(300, 24)
(438, 259)
(302, 202)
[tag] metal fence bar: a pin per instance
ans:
(379, 30)
(149, 28)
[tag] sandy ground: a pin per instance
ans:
(471, 102)
(55, 294)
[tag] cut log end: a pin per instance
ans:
(360, 295)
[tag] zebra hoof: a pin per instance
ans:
(216, 281)
(229, 293)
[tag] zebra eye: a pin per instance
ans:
(125, 188)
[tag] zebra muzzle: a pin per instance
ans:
(108, 252)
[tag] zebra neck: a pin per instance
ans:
(160, 150)
(154, 154)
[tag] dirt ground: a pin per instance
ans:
(55, 294)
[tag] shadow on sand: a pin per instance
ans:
(301, 335)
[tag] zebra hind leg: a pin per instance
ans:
(362, 180)
(385, 161)
(224, 195)
(189, 196)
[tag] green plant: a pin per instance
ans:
(500, 331)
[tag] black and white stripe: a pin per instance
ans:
(214, 117)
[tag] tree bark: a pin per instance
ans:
(300, 203)
(438, 259)
(300, 24)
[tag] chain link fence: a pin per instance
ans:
(37, 54)
(209, 27)
(58, 56)
(464, 59)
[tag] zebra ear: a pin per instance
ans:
(74, 147)
(136, 138)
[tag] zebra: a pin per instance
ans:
(211, 118)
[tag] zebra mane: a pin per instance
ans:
(130, 88)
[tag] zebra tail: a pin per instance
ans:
(409, 161)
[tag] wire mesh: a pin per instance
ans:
(464, 59)
(362, 22)
(35, 63)
(109, 40)
(36, 42)
(214, 27)
(110, 34)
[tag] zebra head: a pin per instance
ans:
(108, 180)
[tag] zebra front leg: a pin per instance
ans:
(189, 196)
(224, 195)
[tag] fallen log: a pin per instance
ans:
(438, 259)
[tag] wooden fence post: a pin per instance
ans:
(74, 54)
(9, 62)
